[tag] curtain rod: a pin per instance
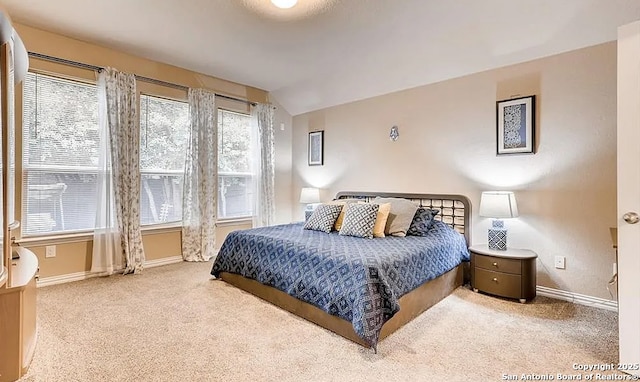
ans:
(82, 65)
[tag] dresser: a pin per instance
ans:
(18, 317)
(510, 273)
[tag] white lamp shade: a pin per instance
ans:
(309, 195)
(498, 205)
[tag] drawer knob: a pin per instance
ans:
(495, 279)
(495, 264)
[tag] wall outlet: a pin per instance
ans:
(50, 251)
(615, 269)
(560, 262)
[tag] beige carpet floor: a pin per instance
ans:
(173, 323)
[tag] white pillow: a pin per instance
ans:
(400, 216)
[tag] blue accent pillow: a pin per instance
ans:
(422, 222)
(359, 220)
(323, 218)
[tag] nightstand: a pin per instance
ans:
(510, 273)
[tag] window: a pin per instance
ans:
(164, 131)
(60, 158)
(235, 180)
(60, 155)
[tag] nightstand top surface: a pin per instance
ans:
(509, 253)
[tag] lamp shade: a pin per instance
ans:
(309, 195)
(498, 205)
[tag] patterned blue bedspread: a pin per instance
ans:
(359, 280)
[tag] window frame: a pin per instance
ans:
(234, 174)
(22, 170)
(89, 77)
(155, 171)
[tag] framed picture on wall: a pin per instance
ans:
(316, 148)
(516, 126)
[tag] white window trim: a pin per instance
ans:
(86, 236)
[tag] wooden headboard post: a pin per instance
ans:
(454, 210)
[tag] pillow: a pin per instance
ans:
(359, 220)
(343, 202)
(381, 219)
(400, 216)
(422, 222)
(323, 218)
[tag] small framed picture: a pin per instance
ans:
(316, 148)
(516, 125)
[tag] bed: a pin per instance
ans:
(361, 289)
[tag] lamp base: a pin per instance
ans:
(497, 239)
(308, 211)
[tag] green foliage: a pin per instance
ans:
(60, 124)
(234, 142)
(164, 132)
(60, 121)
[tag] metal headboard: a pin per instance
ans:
(454, 210)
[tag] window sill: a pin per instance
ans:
(161, 228)
(55, 239)
(88, 235)
(146, 230)
(234, 221)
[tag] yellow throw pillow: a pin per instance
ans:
(381, 219)
(338, 223)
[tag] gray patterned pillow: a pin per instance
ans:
(323, 218)
(400, 217)
(422, 222)
(359, 220)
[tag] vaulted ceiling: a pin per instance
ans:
(323, 53)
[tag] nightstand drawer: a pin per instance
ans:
(498, 264)
(501, 284)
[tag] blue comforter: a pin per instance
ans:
(359, 280)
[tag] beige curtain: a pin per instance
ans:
(117, 236)
(200, 190)
(263, 165)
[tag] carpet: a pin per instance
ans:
(173, 323)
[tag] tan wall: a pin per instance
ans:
(283, 135)
(566, 192)
(74, 255)
(39, 41)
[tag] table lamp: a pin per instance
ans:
(498, 205)
(311, 197)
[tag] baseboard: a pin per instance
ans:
(78, 276)
(577, 298)
(63, 279)
(162, 261)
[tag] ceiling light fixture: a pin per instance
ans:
(284, 4)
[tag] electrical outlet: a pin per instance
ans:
(615, 269)
(560, 262)
(50, 251)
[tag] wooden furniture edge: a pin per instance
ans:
(510, 253)
(18, 327)
(411, 305)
